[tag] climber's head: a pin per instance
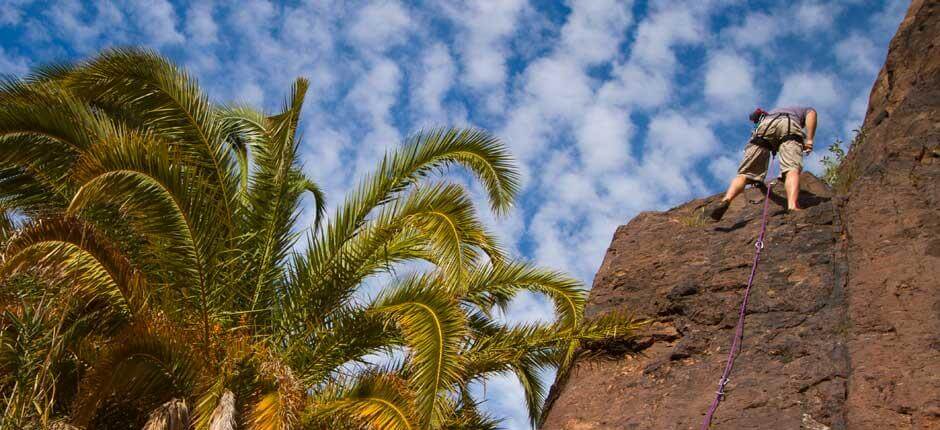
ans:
(757, 114)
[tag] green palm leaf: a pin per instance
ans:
(81, 253)
(496, 285)
(433, 325)
(375, 400)
(146, 91)
(149, 264)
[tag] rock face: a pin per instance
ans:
(843, 328)
(892, 218)
(689, 278)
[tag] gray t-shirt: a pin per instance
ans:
(798, 113)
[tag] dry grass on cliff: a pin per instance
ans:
(696, 218)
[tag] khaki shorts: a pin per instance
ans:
(756, 158)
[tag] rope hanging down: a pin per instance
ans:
(739, 328)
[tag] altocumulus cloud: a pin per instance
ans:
(611, 106)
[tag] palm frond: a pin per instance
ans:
(8, 225)
(31, 345)
(60, 242)
(43, 130)
(163, 203)
(433, 326)
(148, 261)
(148, 92)
(319, 199)
(422, 155)
(273, 198)
(374, 400)
(147, 363)
(350, 334)
(48, 110)
(435, 223)
(469, 417)
(496, 285)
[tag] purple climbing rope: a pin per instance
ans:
(739, 328)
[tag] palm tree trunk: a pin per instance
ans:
(223, 417)
(172, 415)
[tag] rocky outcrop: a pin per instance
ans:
(892, 218)
(843, 329)
(688, 277)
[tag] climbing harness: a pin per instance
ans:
(759, 137)
(739, 328)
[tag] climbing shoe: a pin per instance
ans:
(717, 210)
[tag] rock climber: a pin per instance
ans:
(781, 131)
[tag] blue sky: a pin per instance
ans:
(612, 107)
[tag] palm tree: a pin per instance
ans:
(149, 277)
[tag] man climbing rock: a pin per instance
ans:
(779, 131)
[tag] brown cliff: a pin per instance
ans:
(892, 219)
(843, 330)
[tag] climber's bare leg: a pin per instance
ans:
(736, 188)
(793, 189)
(716, 210)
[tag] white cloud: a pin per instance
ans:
(813, 15)
(250, 93)
(804, 20)
(595, 28)
(200, 25)
(156, 19)
(70, 20)
(557, 91)
(12, 65)
(674, 144)
(809, 88)
(729, 80)
(645, 79)
(859, 54)
(681, 137)
(528, 307)
(509, 229)
(723, 168)
(886, 20)
(252, 16)
(526, 133)
(380, 25)
(313, 34)
(553, 249)
(374, 95)
(502, 393)
(753, 31)
(855, 116)
(322, 157)
(484, 28)
(434, 79)
(603, 138)
(559, 86)
(377, 90)
(635, 86)
(11, 11)
(667, 27)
